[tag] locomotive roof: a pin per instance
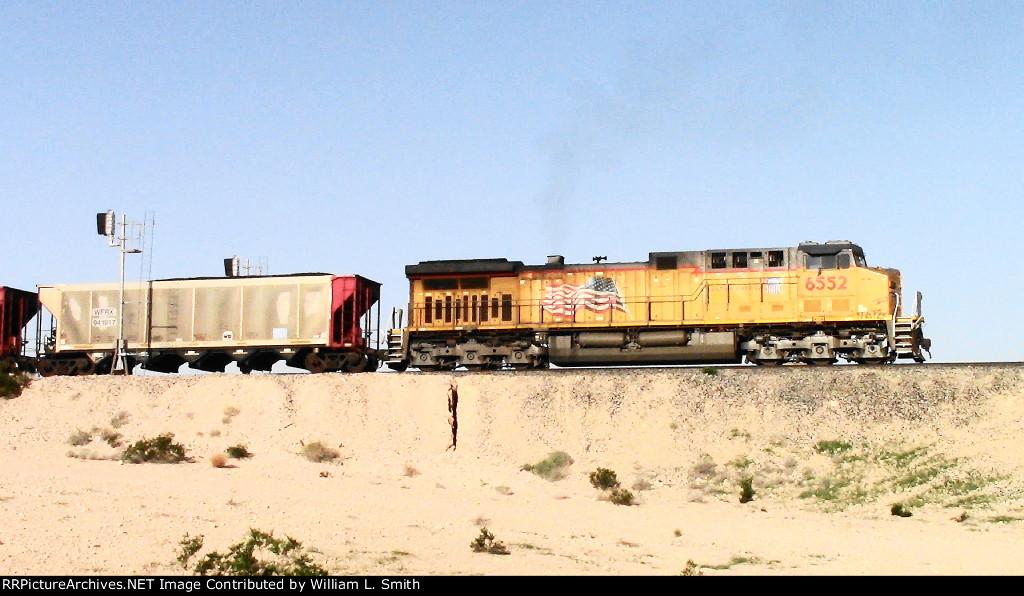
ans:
(501, 265)
(830, 248)
(463, 266)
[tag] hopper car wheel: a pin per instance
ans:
(85, 367)
(314, 363)
(356, 366)
(768, 363)
(871, 361)
(819, 362)
(47, 369)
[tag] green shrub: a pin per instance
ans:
(485, 543)
(261, 554)
(318, 452)
(832, 447)
(552, 467)
(900, 510)
(709, 370)
(622, 496)
(603, 478)
(12, 381)
(237, 452)
(157, 450)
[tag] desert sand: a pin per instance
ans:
(828, 452)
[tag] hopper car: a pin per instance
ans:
(314, 321)
(814, 303)
(17, 308)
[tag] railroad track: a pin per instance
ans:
(734, 368)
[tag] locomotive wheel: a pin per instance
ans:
(400, 366)
(314, 363)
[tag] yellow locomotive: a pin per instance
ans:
(813, 303)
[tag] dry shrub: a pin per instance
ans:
(485, 543)
(79, 437)
(318, 452)
(218, 460)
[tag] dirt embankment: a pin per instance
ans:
(825, 452)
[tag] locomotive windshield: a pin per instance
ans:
(842, 260)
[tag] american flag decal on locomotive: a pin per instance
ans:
(600, 294)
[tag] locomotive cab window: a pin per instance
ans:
(821, 262)
(844, 260)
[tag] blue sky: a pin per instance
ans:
(359, 137)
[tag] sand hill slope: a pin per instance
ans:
(826, 452)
